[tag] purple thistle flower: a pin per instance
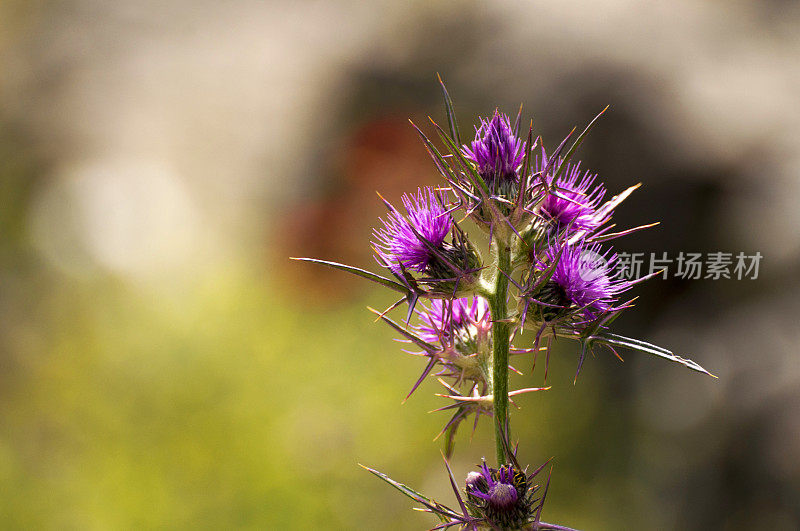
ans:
(574, 203)
(505, 498)
(399, 241)
(501, 496)
(497, 489)
(457, 329)
(496, 150)
(583, 277)
(458, 317)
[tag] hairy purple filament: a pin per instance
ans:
(496, 150)
(574, 204)
(398, 242)
(587, 278)
(443, 316)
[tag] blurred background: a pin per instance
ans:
(164, 365)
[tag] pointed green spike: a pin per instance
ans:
(647, 348)
(451, 114)
(430, 504)
(391, 284)
(576, 144)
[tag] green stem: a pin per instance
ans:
(498, 304)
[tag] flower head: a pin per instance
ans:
(496, 151)
(458, 320)
(458, 337)
(575, 202)
(583, 279)
(502, 496)
(407, 239)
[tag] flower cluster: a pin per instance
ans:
(545, 211)
(550, 269)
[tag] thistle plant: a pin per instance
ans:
(550, 270)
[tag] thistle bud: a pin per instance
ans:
(476, 481)
(496, 152)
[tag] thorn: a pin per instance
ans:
(385, 202)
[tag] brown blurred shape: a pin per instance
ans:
(382, 155)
